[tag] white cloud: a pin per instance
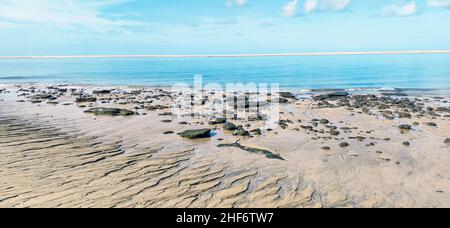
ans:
(325, 5)
(231, 3)
(310, 5)
(241, 2)
(63, 13)
(290, 9)
(400, 10)
(439, 3)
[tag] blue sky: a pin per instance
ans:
(65, 27)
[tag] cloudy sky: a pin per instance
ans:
(64, 27)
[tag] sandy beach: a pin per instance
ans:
(86, 146)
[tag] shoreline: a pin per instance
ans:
(128, 147)
(297, 89)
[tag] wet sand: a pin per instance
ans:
(337, 150)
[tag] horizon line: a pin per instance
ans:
(229, 55)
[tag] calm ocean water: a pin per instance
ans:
(324, 72)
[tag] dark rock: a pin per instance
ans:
(256, 131)
(331, 96)
(344, 144)
(326, 148)
(135, 92)
(287, 95)
(308, 128)
(241, 132)
(431, 124)
(384, 106)
(281, 100)
(218, 121)
(103, 91)
(196, 134)
(157, 107)
(229, 126)
(110, 112)
(324, 121)
(165, 114)
(85, 99)
(335, 128)
(283, 124)
(338, 94)
(335, 133)
(405, 127)
(406, 144)
(41, 96)
(404, 115)
(447, 141)
(168, 132)
(268, 154)
(359, 138)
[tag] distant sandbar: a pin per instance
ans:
(231, 55)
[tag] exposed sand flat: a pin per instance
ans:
(52, 154)
(234, 55)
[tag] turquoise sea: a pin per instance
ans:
(428, 71)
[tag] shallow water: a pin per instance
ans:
(419, 72)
